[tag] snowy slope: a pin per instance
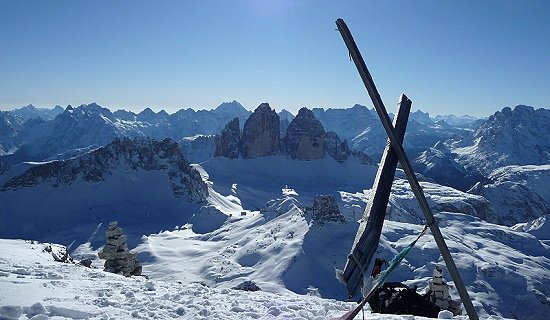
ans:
(32, 283)
(509, 137)
(143, 183)
(279, 248)
(506, 272)
(518, 193)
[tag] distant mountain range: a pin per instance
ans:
(461, 152)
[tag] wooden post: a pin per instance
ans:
(405, 164)
(370, 229)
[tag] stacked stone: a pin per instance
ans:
(119, 259)
(440, 293)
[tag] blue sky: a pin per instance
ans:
(460, 57)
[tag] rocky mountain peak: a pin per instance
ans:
(227, 143)
(305, 137)
(233, 107)
(337, 149)
(261, 136)
(512, 136)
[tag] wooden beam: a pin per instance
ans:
(405, 164)
(370, 228)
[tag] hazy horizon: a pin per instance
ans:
(450, 58)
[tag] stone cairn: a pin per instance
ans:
(440, 293)
(119, 259)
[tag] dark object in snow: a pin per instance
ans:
(397, 298)
(378, 266)
(119, 259)
(59, 253)
(247, 286)
(86, 262)
(325, 210)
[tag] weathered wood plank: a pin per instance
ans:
(405, 164)
(370, 228)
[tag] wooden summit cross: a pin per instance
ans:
(368, 235)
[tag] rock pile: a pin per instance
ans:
(440, 293)
(119, 259)
(247, 286)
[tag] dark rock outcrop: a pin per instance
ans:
(227, 142)
(337, 149)
(325, 210)
(305, 137)
(261, 136)
(247, 286)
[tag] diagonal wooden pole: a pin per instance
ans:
(370, 228)
(405, 164)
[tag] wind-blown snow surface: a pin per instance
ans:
(32, 284)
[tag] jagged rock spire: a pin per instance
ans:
(260, 136)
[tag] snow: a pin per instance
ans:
(53, 290)
(253, 226)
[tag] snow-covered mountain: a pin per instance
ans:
(92, 124)
(74, 128)
(518, 193)
(509, 137)
(144, 183)
(464, 121)
(438, 163)
(10, 127)
(364, 132)
(31, 112)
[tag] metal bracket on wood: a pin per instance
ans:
(405, 164)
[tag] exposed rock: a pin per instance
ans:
(325, 210)
(86, 262)
(305, 137)
(337, 149)
(247, 286)
(227, 142)
(261, 136)
(59, 253)
(3, 167)
(198, 148)
(11, 312)
(119, 259)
